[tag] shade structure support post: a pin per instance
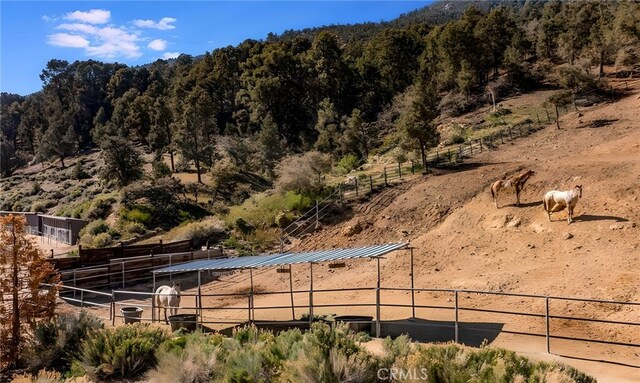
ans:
(378, 301)
(455, 300)
(153, 300)
(310, 293)
(413, 292)
(199, 298)
(293, 308)
(252, 313)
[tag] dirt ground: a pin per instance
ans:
(461, 241)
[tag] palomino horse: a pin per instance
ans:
(514, 182)
(168, 297)
(559, 200)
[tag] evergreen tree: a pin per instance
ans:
(122, 162)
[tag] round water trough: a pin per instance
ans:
(356, 323)
(183, 321)
(131, 314)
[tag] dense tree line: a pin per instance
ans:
(322, 90)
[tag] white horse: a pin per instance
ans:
(168, 297)
(555, 201)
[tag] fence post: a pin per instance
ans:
(449, 154)
(356, 186)
(510, 134)
(456, 338)
(318, 213)
(399, 170)
(437, 157)
(413, 171)
(113, 307)
(480, 144)
(385, 176)
(123, 275)
(460, 153)
(370, 183)
(471, 147)
(310, 294)
(538, 117)
(74, 283)
(520, 130)
(546, 303)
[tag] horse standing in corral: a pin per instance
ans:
(516, 182)
(168, 297)
(555, 201)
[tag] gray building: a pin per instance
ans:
(61, 229)
(33, 220)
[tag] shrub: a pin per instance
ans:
(35, 188)
(54, 343)
(95, 227)
(42, 206)
(121, 353)
(243, 226)
(188, 359)
(455, 363)
(136, 214)
(159, 169)
(78, 172)
(200, 232)
(100, 208)
(102, 240)
(347, 164)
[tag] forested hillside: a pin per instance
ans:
(347, 92)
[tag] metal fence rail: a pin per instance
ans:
(246, 307)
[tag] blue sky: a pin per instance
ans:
(139, 32)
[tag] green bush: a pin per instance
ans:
(102, 240)
(95, 227)
(160, 169)
(78, 172)
(100, 208)
(347, 164)
(188, 359)
(54, 344)
(454, 363)
(136, 214)
(121, 353)
(42, 206)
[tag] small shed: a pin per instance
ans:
(62, 229)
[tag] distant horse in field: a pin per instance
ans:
(168, 297)
(516, 183)
(555, 201)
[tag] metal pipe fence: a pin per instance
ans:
(233, 309)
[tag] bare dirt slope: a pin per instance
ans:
(462, 241)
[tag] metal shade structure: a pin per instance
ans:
(275, 260)
(288, 259)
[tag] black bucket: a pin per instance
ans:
(131, 314)
(356, 323)
(183, 321)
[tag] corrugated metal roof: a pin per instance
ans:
(273, 260)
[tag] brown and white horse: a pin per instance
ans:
(514, 183)
(555, 201)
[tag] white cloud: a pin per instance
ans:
(93, 32)
(77, 27)
(158, 45)
(170, 55)
(164, 24)
(67, 40)
(94, 16)
(115, 42)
